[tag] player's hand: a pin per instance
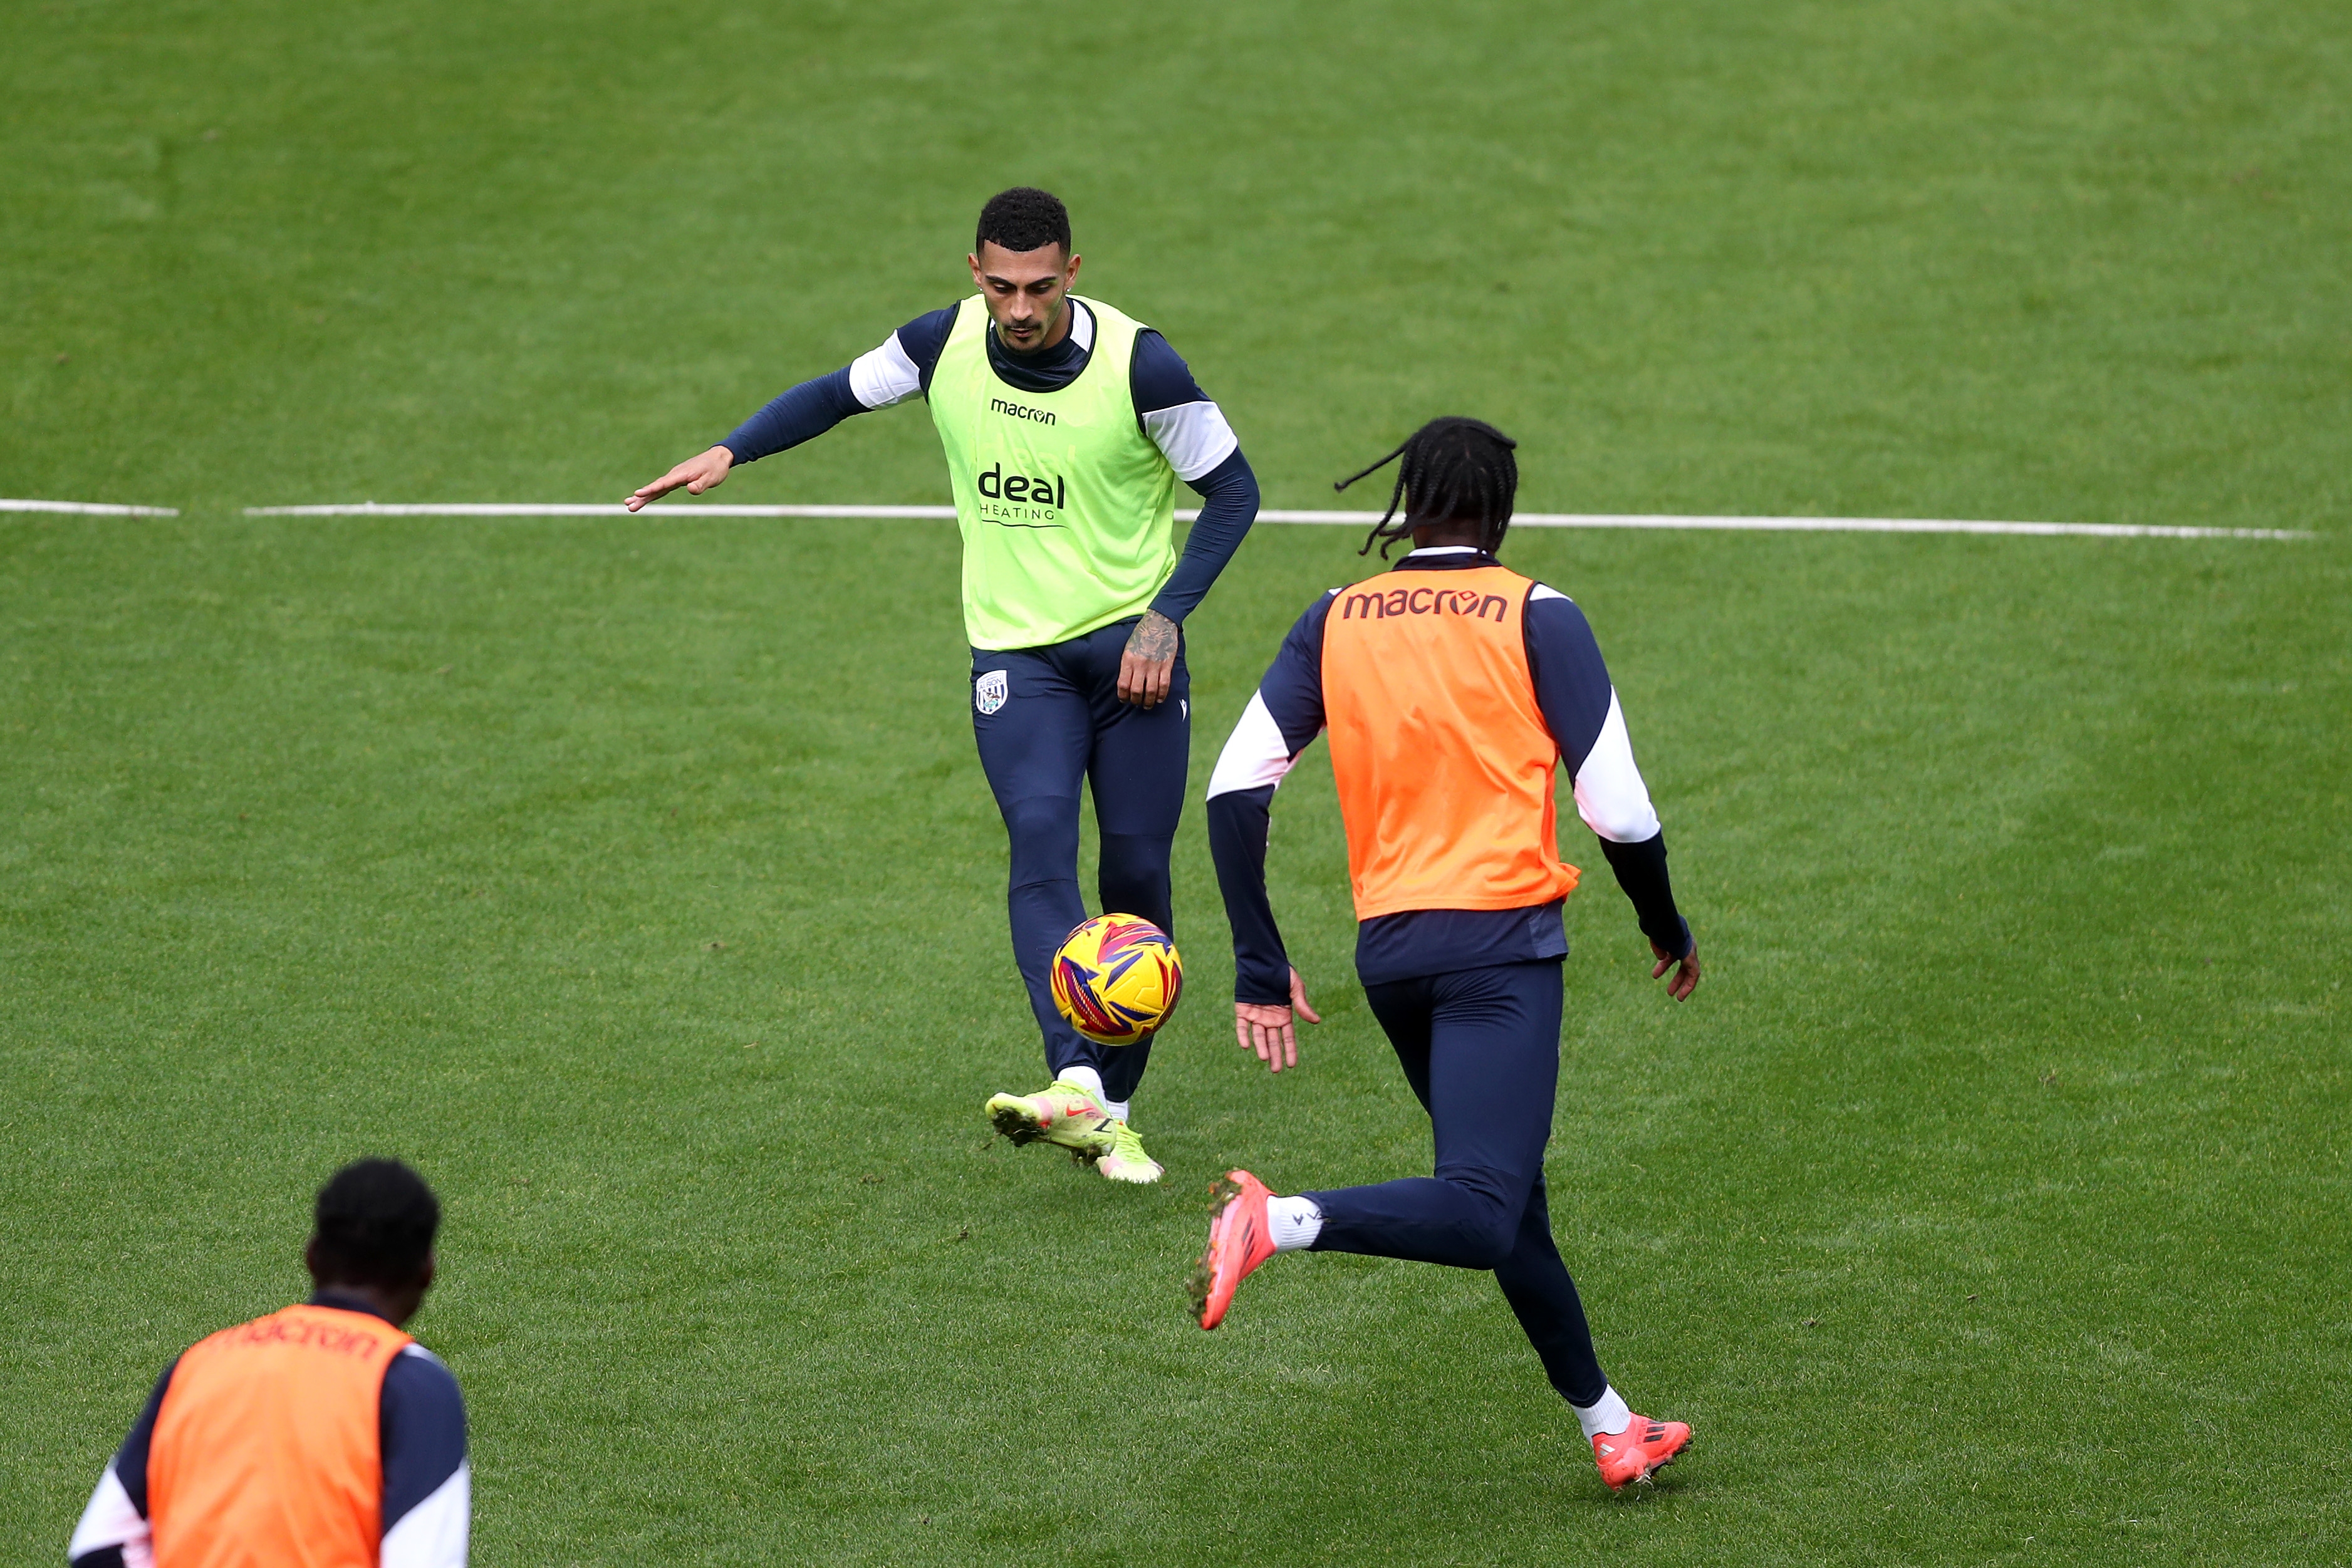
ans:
(1686, 970)
(696, 475)
(1267, 1029)
(1148, 668)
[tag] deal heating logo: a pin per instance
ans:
(1022, 500)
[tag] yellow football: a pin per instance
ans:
(1117, 979)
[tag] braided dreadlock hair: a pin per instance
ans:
(1455, 470)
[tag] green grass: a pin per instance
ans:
(1987, 1205)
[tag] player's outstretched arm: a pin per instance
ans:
(696, 475)
(889, 375)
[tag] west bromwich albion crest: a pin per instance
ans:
(989, 692)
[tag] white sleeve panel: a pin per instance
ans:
(1194, 437)
(1610, 794)
(884, 377)
(111, 1520)
(434, 1533)
(1256, 755)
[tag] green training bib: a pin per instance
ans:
(1068, 511)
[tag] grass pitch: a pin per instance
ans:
(637, 879)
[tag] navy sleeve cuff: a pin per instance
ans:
(1228, 507)
(1642, 871)
(1238, 822)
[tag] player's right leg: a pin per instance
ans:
(1481, 1049)
(1251, 1225)
(1035, 733)
(1474, 1046)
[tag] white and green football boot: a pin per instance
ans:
(1124, 1160)
(1065, 1114)
(1062, 1114)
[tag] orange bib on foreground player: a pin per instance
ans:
(1444, 764)
(267, 1447)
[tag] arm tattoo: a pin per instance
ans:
(1155, 637)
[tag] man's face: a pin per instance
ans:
(1025, 290)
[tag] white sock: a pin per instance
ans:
(1114, 1109)
(1086, 1078)
(1610, 1416)
(1293, 1222)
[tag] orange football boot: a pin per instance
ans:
(1640, 1451)
(1239, 1240)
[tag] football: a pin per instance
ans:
(1116, 978)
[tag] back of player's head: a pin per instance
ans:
(1023, 219)
(1454, 470)
(376, 1221)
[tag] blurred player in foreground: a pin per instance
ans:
(1452, 689)
(320, 1434)
(1066, 425)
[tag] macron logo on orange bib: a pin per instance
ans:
(268, 1449)
(1375, 605)
(1442, 760)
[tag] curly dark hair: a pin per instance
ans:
(1455, 470)
(376, 1223)
(1024, 218)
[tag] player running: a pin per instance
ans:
(1065, 426)
(321, 1434)
(1451, 687)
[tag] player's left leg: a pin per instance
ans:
(1136, 772)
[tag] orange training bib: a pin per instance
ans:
(267, 1452)
(1443, 763)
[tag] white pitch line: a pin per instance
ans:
(89, 509)
(584, 510)
(1350, 519)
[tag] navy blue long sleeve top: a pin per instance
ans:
(1170, 407)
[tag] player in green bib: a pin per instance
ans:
(1066, 424)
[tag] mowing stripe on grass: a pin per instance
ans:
(1350, 519)
(93, 508)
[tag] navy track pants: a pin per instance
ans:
(1481, 1049)
(1047, 719)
